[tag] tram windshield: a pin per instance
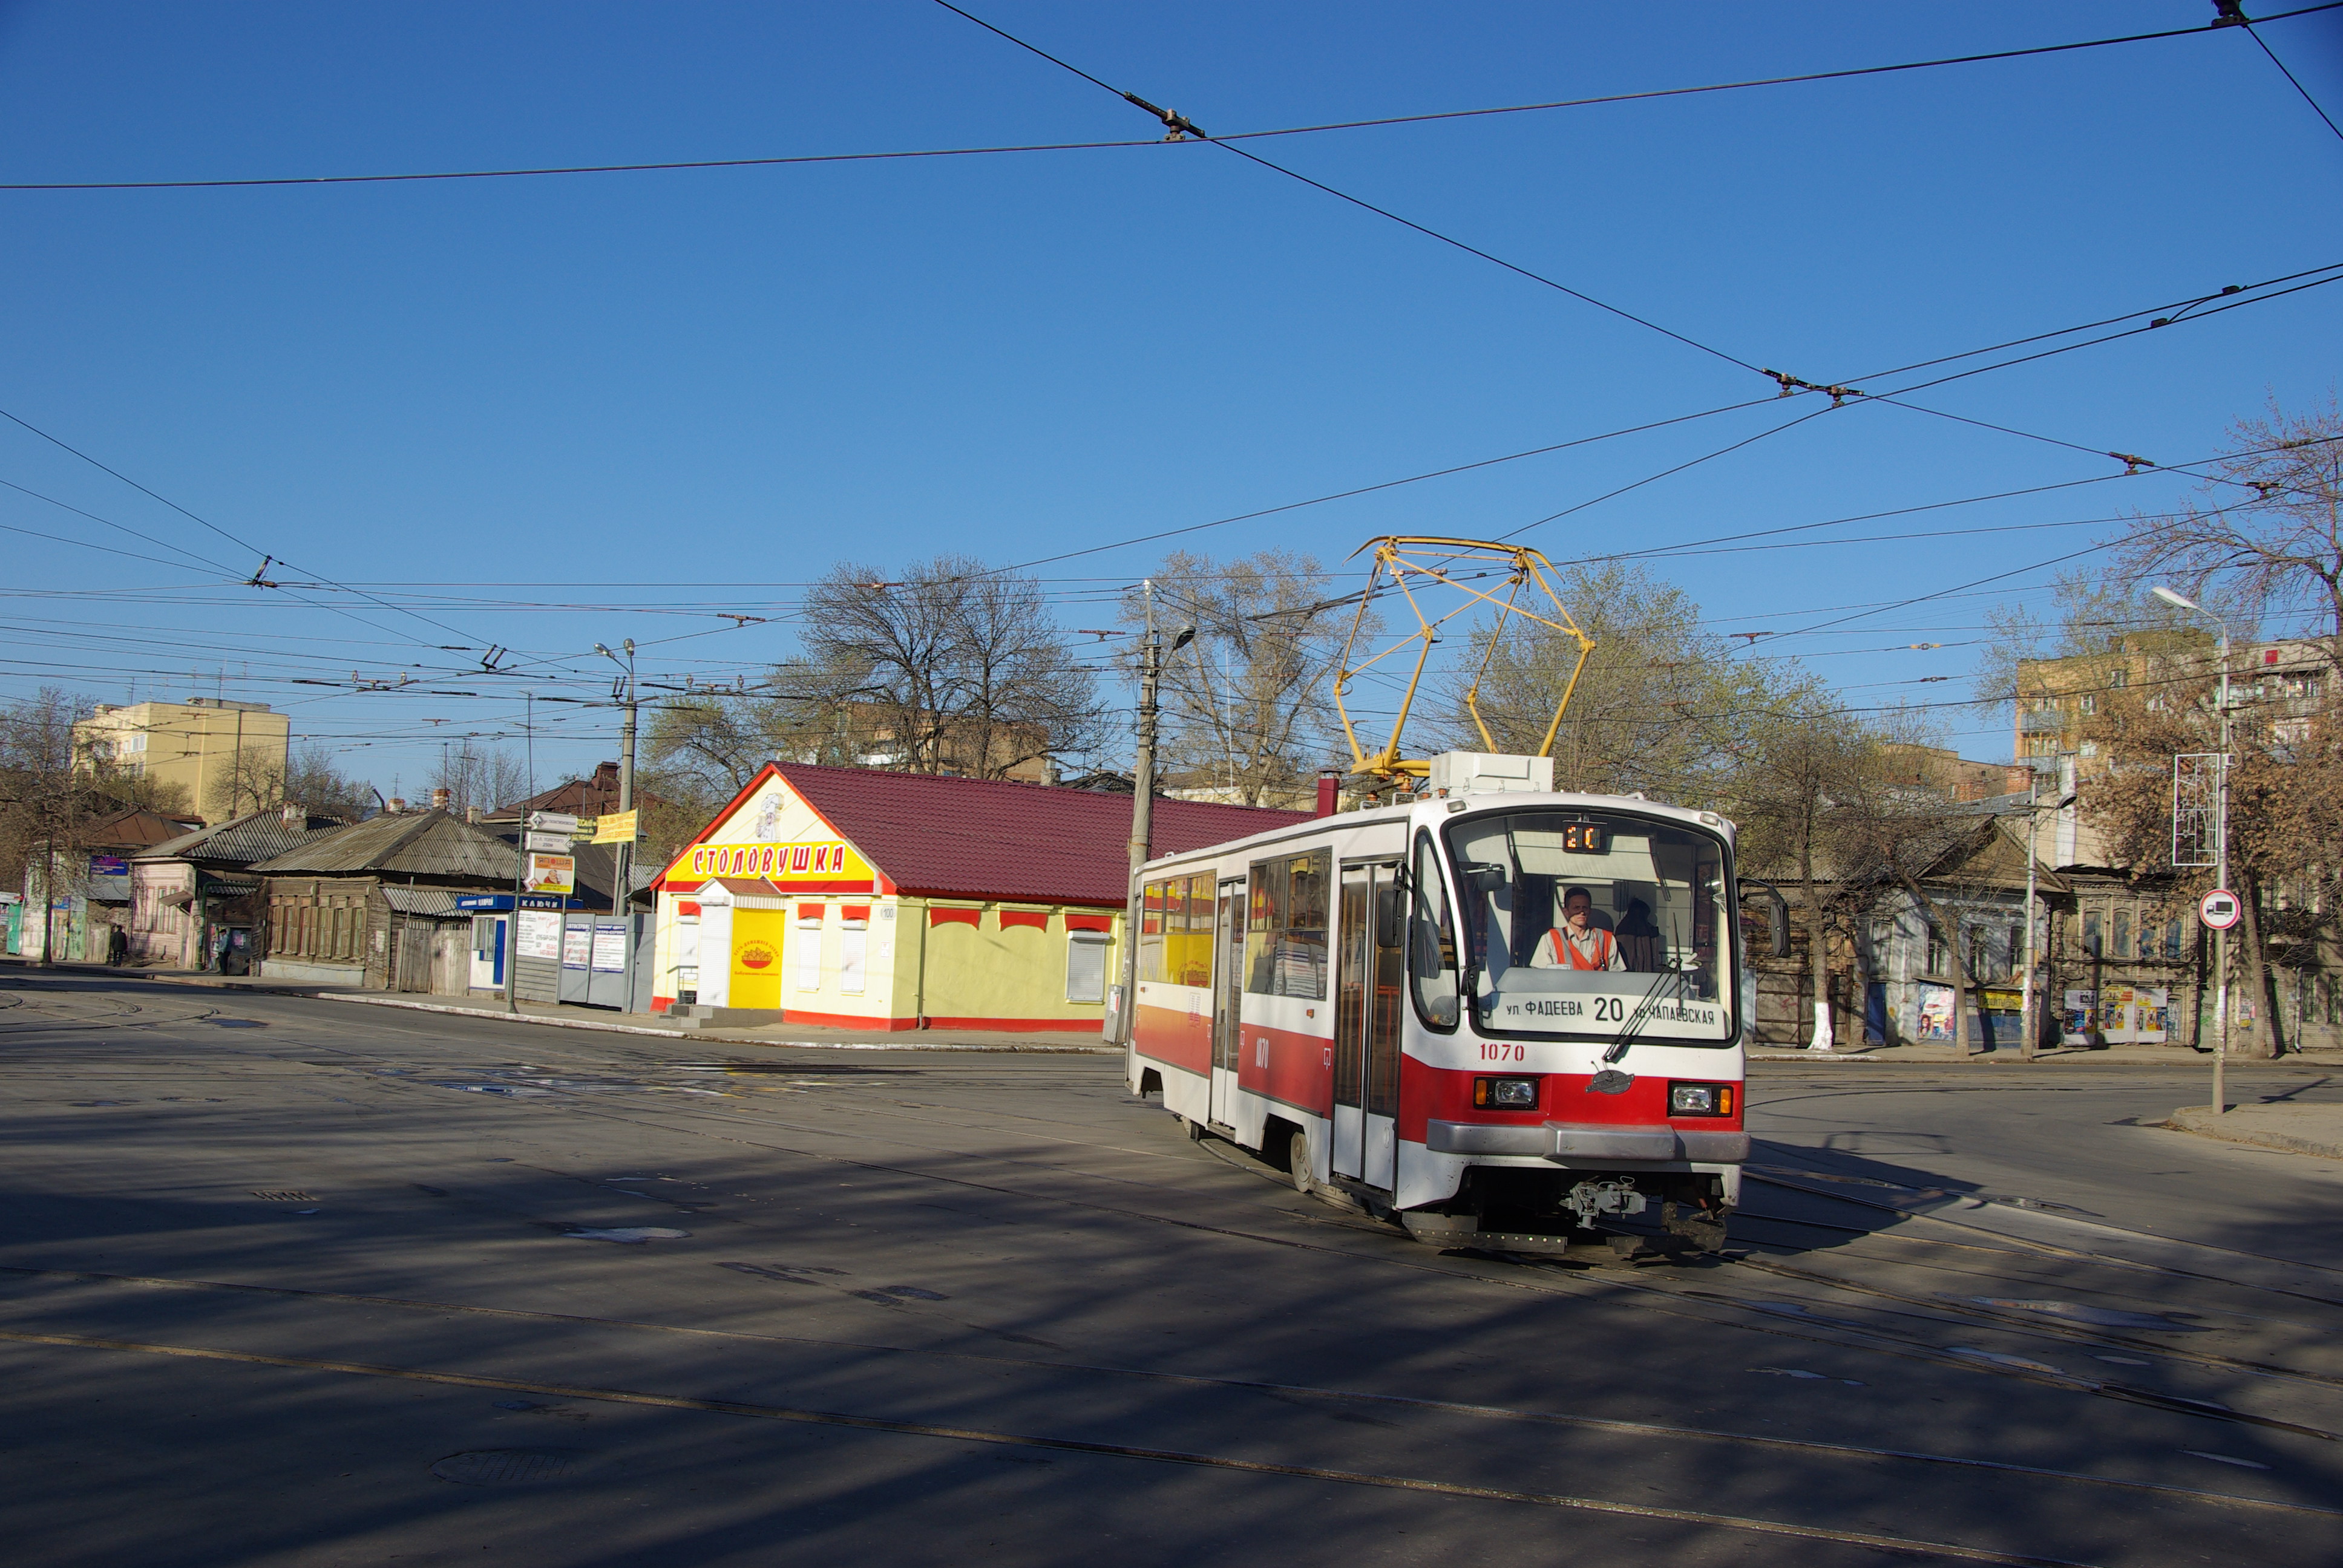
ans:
(1593, 923)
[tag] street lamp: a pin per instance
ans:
(2220, 847)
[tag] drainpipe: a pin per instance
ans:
(920, 990)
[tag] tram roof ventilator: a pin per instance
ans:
(1453, 773)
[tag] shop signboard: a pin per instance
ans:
(809, 865)
(551, 874)
(108, 866)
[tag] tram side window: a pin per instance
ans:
(1285, 929)
(1432, 940)
(1175, 930)
(1151, 930)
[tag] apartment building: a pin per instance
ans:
(220, 752)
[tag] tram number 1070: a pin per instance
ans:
(1496, 1050)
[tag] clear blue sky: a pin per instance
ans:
(660, 396)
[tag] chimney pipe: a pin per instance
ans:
(294, 814)
(1330, 790)
(472, 814)
(395, 805)
(439, 799)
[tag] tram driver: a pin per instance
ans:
(1578, 943)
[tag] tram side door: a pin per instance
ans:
(1228, 998)
(1370, 970)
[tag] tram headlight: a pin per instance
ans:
(1506, 1093)
(1700, 1100)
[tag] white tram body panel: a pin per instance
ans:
(1515, 1013)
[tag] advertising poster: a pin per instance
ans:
(577, 948)
(2079, 1018)
(551, 874)
(610, 950)
(539, 935)
(1935, 1011)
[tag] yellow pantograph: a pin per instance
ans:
(1405, 562)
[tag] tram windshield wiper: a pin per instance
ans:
(1635, 1024)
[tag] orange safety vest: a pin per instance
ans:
(1565, 954)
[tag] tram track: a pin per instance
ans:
(1770, 1323)
(1649, 1429)
(1003, 1147)
(1863, 1338)
(1893, 1545)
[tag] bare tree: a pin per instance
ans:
(950, 668)
(2269, 539)
(1662, 706)
(2285, 821)
(484, 776)
(1246, 707)
(1792, 775)
(54, 797)
(255, 780)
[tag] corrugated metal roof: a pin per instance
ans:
(411, 844)
(241, 840)
(981, 837)
(420, 901)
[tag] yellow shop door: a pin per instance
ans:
(757, 958)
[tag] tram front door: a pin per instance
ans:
(1370, 970)
(1228, 998)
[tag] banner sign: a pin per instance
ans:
(551, 874)
(616, 828)
(108, 866)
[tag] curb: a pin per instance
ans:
(2201, 1120)
(365, 998)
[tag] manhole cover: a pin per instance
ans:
(509, 1466)
(282, 1195)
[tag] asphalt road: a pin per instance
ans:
(291, 1281)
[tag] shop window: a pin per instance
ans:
(853, 948)
(1285, 928)
(1086, 966)
(2123, 933)
(807, 942)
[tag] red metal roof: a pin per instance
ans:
(977, 838)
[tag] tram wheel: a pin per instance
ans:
(1297, 1160)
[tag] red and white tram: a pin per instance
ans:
(1507, 1020)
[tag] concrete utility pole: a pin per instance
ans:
(1142, 817)
(626, 694)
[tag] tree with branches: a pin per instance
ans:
(1247, 712)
